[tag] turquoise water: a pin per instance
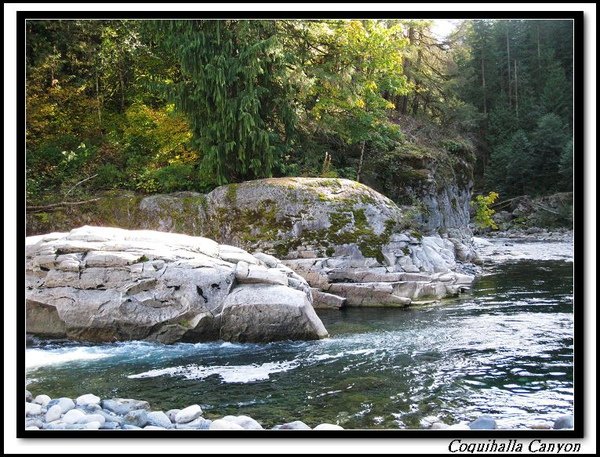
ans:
(505, 350)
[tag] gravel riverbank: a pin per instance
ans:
(90, 412)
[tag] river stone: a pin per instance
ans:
(246, 422)
(296, 425)
(32, 427)
(110, 425)
(35, 422)
(188, 414)
(94, 425)
(328, 427)
(42, 400)
(53, 413)
(122, 406)
(262, 313)
(563, 422)
(131, 427)
(197, 424)
(154, 427)
(171, 414)
(87, 399)
(159, 419)
(221, 424)
(73, 416)
(137, 417)
(32, 409)
(323, 300)
(165, 287)
(28, 396)
(483, 422)
(66, 404)
(110, 417)
(93, 418)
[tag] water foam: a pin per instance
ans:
(35, 358)
(240, 374)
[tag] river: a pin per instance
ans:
(505, 349)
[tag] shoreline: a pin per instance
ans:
(90, 412)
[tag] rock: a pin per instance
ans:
(171, 414)
(110, 426)
(328, 427)
(122, 406)
(144, 285)
(53, 413)
(154, 427)
(296, 425)
(137, 417)
(564, 422)
(32, 427)
(28, 396)
(32, 409)
(323, 300)
(439, 426)
(109, 417)
(221, 424)
(188, 414)
(369, 294)
(93, 418)
(262, 313)
(131, 427)
(87, 399)
(246, 422)
(196, 424)
(73, 416)
(42, 400)
(483, 422)
(66, 404)
(94, 425)
(35, 422)
(159, 419)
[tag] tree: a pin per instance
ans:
(235, 93)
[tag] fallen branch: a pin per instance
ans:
(54, 206)
(504, 202)
(547, 209)
(80, 182)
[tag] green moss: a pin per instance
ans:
(406, 250)
(416, 234)
(231, 193)
(329, 252)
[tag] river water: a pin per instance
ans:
(506, 349)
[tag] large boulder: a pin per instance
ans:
(109, 284)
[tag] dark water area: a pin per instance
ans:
(506, 350)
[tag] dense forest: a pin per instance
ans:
(164, 106)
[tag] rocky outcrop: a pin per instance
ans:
(108, 284)
(354, 246)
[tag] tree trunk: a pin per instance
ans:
(360, 161)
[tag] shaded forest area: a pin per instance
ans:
(164, 106)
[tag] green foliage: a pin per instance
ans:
(483, 212)
(235, 93)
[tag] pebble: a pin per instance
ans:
(53, 413)
(221, 424)
(110, 425)
(196, 424)
(87, 399)
(159, 419)
(73, 416)
(171, 414)
(328, 427)
(188, 414)
(65, 404)
(32, 409)
(42, 400)
(138, 417)
(122, 406)
(153, 427)
(93, 418)
(296, 425)
(28, 396)
(246, 422)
